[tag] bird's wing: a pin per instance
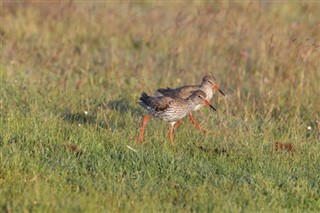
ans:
(162, 103)
(165, 91)
(182, 92)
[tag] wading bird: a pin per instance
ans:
(207, 84)
(170, 109)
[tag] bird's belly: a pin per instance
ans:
(171, 117)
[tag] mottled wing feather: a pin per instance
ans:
(182, 92)
(176, 104)
(160, 103)
(166, 91)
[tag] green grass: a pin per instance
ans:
(59, 60)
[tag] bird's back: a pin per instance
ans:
(166, 108)
(181, 92)
(154, 104)
(176, 109)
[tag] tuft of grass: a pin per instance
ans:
(72, 72)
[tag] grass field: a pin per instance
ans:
(71, 76)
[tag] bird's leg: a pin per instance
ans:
(195, 123)
(171, 131)
(177, 124)
(145, 119)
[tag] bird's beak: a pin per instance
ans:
(208, 104)
(214, 86)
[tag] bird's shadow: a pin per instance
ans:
(77, 117)
(121, 106)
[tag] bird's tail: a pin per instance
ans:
(144, 100)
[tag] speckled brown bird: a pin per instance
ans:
(207, 84)
(170, 109)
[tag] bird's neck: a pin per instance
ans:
(207, 88)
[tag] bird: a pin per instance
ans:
(207, 84)
(170, 109)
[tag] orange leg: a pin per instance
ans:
(177, 124)
(145, 119)
(195, 123)
(170, 135)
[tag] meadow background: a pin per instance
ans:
(71, 75)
